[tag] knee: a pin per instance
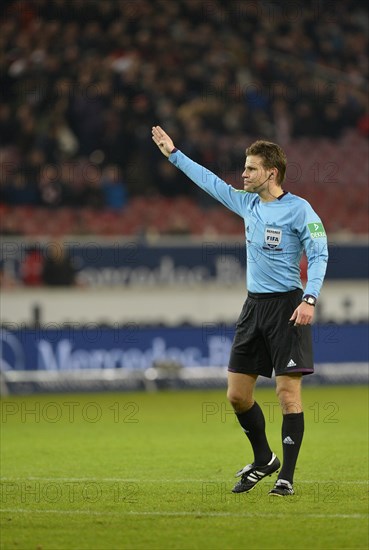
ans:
(283, 393)
(289, 400)
(239, 402)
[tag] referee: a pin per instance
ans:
(273, 330)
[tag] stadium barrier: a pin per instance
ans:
(168, 262)
(112, 359)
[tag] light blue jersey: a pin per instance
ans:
(277, 232)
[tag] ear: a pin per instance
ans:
(275, 174)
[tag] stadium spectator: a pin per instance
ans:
(32, 267)
(88, 78)
(113, 188)
(58, 269)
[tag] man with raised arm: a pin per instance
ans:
(273, 331)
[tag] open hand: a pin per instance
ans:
(162, 140)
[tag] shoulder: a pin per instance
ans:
(244, 196)
(299, 201)
(299, 204)
(301, 212)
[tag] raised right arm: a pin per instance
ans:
(232, 198)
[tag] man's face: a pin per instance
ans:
(255, 176)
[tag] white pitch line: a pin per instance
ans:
(199, 513)
(136, 480)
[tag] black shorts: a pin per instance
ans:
(264, 340)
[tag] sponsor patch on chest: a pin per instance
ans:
(272, 237)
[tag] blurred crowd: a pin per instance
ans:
(83, 81)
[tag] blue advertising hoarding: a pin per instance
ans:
(132, 263)
(134, 347)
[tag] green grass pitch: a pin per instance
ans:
(155, 471)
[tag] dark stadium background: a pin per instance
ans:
(100, 232)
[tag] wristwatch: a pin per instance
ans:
(311, 300)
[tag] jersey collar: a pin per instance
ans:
(283, 195)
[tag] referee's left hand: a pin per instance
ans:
(303, 314)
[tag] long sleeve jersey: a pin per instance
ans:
(277, 233)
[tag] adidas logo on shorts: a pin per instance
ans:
(291, 363)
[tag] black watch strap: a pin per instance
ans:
(309, 299)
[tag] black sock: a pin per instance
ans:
(292, 434)
(253, 424)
